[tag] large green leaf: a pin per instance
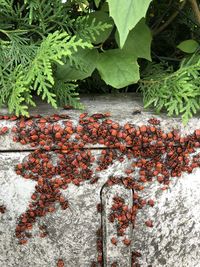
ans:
(138, 41)
(82, 66)
(126, 14)
(118, 68)
(188, 46)
(102, 17)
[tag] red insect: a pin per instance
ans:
(150, 202)
(60, 263)
(99, 207)
(114, 241)
(149, 223)
(2, 209)
(154, 121)
(127, 242)
(68, 107)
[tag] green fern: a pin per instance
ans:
(88, 29)
(39, 75)
(52, 50)
(176, 92)
(35, 37)
(17, 96)
(66, 94)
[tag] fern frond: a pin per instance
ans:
(88, 29)
(17, 97)
(66, 94)
(17, 50)
(4, 85)
(56, 46)
(176, 92)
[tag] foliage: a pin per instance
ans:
(171, 83)
(36, 37)
(49, 48)
(46, 47)
(118, 68)
(177, 92)
(188, 46)
(126, 16)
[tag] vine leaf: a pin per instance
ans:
(118, 68)
(138, 40)
(107, 23)
(97, 3)
(80, 66)
(126, 14)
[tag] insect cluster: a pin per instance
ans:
(61, 157)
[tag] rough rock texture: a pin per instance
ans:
(72, 232)
(172, 242)
(175, 238)
(120, 252)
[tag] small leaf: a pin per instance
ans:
(188, 46)
(118, 68)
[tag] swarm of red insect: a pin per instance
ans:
(125, 216)
(60, 151)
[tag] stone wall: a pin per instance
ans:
(71, 234)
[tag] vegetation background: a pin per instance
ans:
(59, 49)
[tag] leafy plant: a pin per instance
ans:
(188, 46)
(46, 47)
(36, 38)
(37, 74)
(177, 92)
(126, 16)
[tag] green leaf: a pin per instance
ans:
(188, 46)
(81, 65)
(118, 68)
(127, 14)
(105, 7)
(138, 41)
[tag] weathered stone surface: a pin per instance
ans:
(175, 238)
(172, 242)
(72, 232)
(119, 253)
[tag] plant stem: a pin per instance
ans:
(171, 18)
(195, 9)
